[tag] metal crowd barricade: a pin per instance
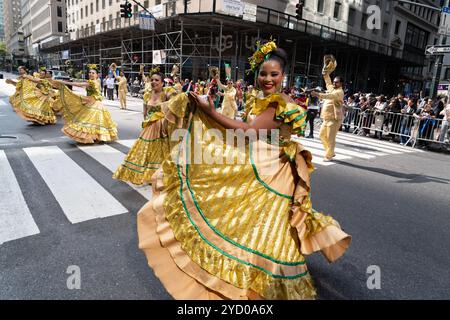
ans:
(429, 130)
(407, 129)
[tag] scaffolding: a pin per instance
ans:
(195, 40)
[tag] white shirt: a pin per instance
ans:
(110, 83)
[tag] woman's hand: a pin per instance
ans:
(206, 105)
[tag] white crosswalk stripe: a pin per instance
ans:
(350, 146)
(112, 158)
(81, 197)
(16, 220)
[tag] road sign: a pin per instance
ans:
(446, 9)
(433, 50)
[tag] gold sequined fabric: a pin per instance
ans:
(86, 119)
(153, 145)
(33, 102)
(230, 226)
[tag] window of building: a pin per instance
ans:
(337, 10)
(351, 16)
(416, 36)
(103, 4)
(320, 5)
(110, 2)
(447, 73)
(96, 5)
(385, 29)
(60, 26)
(398, 23)
(146, 3)
(135, 8)
(81, 12)
(92, 8)
(364, 21)
(86, 11)
(59, 11)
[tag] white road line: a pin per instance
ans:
(16, 220)
(318, 145)
(111, 159)
(127, 143)
(381, 144)
(79, 195)
(373, 145)
(321, 153)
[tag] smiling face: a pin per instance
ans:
(22, 71)
(93, 75)
(270, 77)
(42, 74)
(156, 82)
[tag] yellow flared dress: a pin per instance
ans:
(237, 230)
(153, 144)
(33, 102)
(229, 106)
(86, 119)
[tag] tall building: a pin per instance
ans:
(42, 21)
(379, 49)
(12, 23)
(2, 29)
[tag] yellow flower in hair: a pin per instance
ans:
(260, 54)
(92, 66)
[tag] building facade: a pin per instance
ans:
(2, 29)
(375, 46)
(42, 21)
(12, 23)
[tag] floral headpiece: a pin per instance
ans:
(42, 68)
(155, 70)
(262, 54)
(93, 66)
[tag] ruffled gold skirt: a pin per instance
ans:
(235, 231)
(32, 105)
(145, 156)
(86, 120)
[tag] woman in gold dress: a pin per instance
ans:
(32, 100)
(152, 146)
(86, 119)
(239, 231)
(229, 105)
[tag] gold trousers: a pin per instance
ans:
(123, 99)
(328, 133)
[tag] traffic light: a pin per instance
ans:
(299, 10)
(125, 10)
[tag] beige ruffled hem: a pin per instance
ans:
(40, 120)
(86, 138)
(182, 278)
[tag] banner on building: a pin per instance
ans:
(159, 57)
(146, 21)
(227, 71)
(98, 28)
(231, 7)
(249, 11)
(157, 11)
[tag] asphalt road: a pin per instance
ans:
(396, 207)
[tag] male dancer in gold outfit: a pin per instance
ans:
(331, 114)
(122, 90)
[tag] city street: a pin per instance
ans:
(62, 208)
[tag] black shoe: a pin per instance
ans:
(310, 137)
